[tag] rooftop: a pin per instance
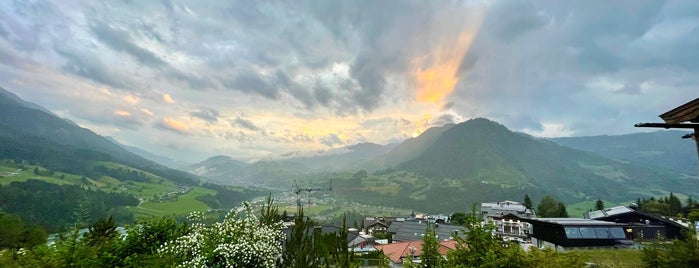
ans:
(395, 251)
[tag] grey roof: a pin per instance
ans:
(607, 212)
(574, 221)
(415, 230)
(505, 207)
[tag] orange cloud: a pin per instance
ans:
(131, 99)
(167, 98)
(122, 113)
(175, 125)
(436, 73)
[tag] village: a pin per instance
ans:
(401, 238)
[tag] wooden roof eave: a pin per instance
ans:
(685, 112)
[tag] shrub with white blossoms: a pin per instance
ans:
(236, 242)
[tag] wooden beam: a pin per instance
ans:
(666, 125)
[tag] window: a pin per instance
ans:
(573, 232)
(617, 233)
(587, 232)
(603, 233)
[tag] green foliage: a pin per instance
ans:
(306, 246)
(599, 204)
(54, 206)
(458, 218)
(15, 234)
(430, 257)
(528, 202)
(550, 208)
(479, 248)
(676, 254)
(667, 206)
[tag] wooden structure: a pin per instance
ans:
(684, 116)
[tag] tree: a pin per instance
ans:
(458, 218)
(599, 205)
(549, 207)
(562, 212)
(14, 234)
(430, 257)
(528, 202)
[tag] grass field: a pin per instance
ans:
(607, 258)
(145, 191)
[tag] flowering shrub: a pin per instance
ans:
(237, 241)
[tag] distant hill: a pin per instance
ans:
(28, 132)
(163, 160)
(480, 150)
(663, 148)
(347, 158)
(225, 170)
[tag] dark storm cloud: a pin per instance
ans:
(540, 60)
(209, 115)
(90, 66)
(251, 82)
(121, 40)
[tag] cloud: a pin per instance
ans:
(146, 112)
(121, 40)
(331, 139)
(122, 113)
(173, 125)
(377, 71)
(131, 99)
(245, 123)
(168, 99)
(209, 115)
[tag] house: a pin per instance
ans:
(403, 231)
(566, 233)
(506, 217)
(356, 240)
(398, 252)
(639, 225)
(378, 224)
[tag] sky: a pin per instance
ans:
(259, 79)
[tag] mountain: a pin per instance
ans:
(483, 151)
(30, 133)
(663, 148)
(163, 160)
(410, 148)
(225, 170)
(347, 158)
(219, 169)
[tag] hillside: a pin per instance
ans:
(663, 148)
(480, 150)
(225, 170)
(35, 135)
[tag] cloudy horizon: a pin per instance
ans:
(257, 79)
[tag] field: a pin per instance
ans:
(147, 192)
(607, 258)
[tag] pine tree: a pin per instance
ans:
(430, 258)
(528, 202)
(599, 205)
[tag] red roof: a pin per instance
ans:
(395, 251)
